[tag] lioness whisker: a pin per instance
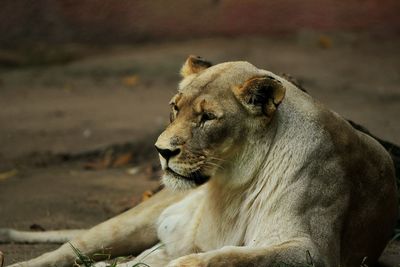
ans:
(212, 164)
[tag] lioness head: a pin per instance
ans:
(217, 108)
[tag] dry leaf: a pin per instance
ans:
(130, 81)
(96, 165)
(325, 41)
(149, 193)
(122, 160)
(146, 195)
(100, 164)
(8, 174)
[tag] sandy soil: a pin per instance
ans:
(121, 96)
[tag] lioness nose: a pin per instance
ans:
(167, 153)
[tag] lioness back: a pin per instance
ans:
(372, 210)
(364, 172)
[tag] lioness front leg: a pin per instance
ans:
(290, 253)
(127, 234)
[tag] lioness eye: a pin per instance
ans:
(207, 116)
(173, 113)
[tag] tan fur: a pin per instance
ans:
(193, 65)
(263, 176)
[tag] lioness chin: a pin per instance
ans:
(257, 174)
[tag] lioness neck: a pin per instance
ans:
(267, 164)
(227, 190)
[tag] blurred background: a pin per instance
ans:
(85, 85)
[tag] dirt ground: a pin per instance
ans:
(121, 95)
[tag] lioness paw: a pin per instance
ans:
(193, 260)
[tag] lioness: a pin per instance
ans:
(257, 174)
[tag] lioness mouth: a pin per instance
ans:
(197, 177)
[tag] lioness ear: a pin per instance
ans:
(261, 95)
(194, 64)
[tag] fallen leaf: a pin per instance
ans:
(8, 174)
(146, 195)
(122, 160)
(325, 41)
(149, 193)
(96, 165)
(100, 164)
(130, 80)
